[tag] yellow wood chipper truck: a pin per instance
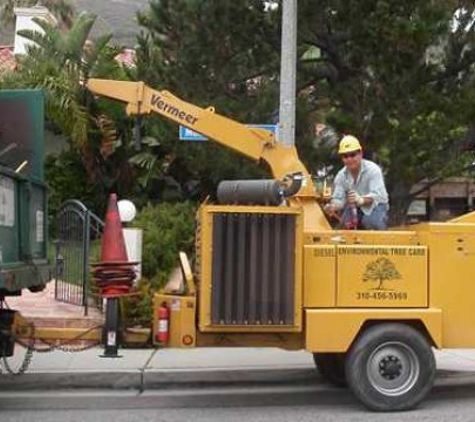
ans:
(271, 272)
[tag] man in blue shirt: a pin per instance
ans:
(359, 192)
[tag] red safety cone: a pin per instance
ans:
(113, 244)
(114, 275)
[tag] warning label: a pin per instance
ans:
(7, 202)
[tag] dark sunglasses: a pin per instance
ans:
(350, 155)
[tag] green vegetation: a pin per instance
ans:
(395, 74)
(201, 52)
(399, 76)
(59, 63)
(168, 229)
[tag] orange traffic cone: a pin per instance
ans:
(113, 244)
(114, 275)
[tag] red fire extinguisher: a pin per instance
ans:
(163, 314)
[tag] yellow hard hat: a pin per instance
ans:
(349, 144)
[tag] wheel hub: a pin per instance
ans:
(393, 368)
(390, 367)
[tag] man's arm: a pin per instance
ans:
(338, 196)
(377, 188)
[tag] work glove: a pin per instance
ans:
(355, 198)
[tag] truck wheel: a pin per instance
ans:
(391, 367)
(332, 367)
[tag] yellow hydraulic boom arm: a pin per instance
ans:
(257, 144)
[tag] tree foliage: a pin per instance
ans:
(399, 75)
(60, 61)
(202, 52)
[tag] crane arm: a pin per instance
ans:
(256, 144)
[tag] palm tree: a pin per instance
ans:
(59, 62)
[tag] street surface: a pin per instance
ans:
(206, 385)
(274, 404)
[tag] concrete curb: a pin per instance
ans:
(160, 379)
(187, 378)
(64, 381)
(448, 378)
(157, 379)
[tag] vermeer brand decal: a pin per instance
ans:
(161, 104)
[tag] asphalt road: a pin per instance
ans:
(265, 403)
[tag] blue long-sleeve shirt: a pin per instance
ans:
(370, 183)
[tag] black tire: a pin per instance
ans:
(390, 367)
(331, 367)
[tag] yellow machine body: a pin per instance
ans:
(451, 287)
(329, 285)
(343, 281)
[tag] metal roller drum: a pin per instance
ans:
(250, 192)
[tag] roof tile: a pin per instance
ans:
(7, 59)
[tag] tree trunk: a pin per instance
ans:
(399, 201)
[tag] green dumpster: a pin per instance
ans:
(23, 193)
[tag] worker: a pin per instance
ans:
(359, 193)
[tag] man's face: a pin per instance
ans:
(352, 160)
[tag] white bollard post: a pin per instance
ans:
(133, 243)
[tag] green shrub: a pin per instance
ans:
(137, 309)
(67, 178)
(167, 229)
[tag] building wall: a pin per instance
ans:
(24, 21)
(443, 201)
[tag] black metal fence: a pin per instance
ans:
(78, 239)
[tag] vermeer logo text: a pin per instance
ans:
(157, 101)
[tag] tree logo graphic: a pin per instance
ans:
(381, 270)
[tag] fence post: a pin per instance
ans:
(85, 287)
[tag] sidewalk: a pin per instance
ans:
(151, 369)
(45, 311)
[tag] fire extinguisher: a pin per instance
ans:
(163, 314)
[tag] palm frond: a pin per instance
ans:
(51, 40)
(63, 10)
(95, 52)
(76, 38)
